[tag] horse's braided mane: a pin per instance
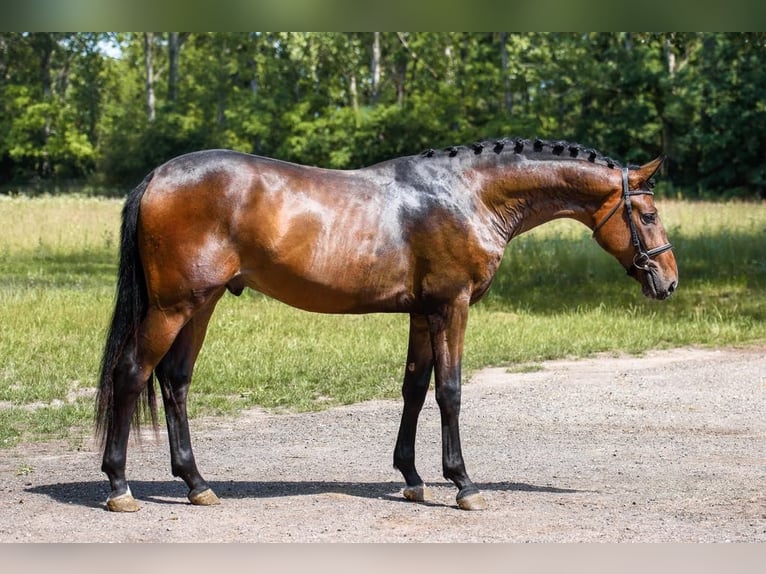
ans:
(537, 148)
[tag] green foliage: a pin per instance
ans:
(76, 105)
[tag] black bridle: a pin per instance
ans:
(643, 257)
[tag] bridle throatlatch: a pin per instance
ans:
(643, 256)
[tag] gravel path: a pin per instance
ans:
(665, 447)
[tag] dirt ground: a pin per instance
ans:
(669, 447)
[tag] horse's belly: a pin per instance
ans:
(342, 289)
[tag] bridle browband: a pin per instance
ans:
(643, 257)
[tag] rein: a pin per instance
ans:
(643, 256)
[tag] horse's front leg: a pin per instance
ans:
(417, 377)
(447, 330)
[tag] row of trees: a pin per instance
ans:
(109, 107)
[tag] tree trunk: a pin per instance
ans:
(44, 44)
(151, 111)
(401, 80)
(375, 67)
(667, 132)
(174, 46)
(354, 96)
(505, 65)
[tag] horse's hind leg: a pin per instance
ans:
(417, 376)
(131, 375)
(174, 374)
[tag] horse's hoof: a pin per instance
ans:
(473, 501)
(419, 493)
(205, 498)
(122, 503)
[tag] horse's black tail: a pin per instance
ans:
(131, 303)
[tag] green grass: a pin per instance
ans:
(556, 295)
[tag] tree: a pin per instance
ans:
(69, 109)
(151, 107)
(175, 41)
(49, 126)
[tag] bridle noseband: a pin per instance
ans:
(643, 257)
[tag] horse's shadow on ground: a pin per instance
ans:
(92, 494)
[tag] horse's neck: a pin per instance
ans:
(525, 196)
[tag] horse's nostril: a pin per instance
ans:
(672, 287)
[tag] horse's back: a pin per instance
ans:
(317, 239)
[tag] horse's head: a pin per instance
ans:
(628, 226)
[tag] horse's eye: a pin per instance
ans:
(648, 218)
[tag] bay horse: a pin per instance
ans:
(421, 234)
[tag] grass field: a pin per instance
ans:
(557, 294)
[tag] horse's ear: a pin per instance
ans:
(644, 173)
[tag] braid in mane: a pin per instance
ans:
(532, 149)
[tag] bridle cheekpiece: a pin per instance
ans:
(643, 257)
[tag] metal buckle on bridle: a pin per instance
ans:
(642, 261)
(643, 257)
